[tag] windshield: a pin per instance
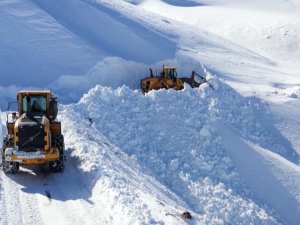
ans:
(37, 103)
(171, 73)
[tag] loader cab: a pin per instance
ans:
(170, 72)
(35, 104)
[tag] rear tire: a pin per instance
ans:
(58, 166)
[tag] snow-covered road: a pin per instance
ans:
(35, 196)
(228, 155)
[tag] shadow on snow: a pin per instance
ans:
(72, 184)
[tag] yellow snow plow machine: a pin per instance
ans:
(168, 78)
(33, 134)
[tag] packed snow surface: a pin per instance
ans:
(228, 155)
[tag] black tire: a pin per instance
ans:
(145, 87)
(58, 166)
(8, 167)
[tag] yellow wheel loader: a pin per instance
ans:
(33, 134)
(168, 79)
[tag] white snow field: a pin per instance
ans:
(228, 155)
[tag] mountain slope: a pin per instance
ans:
(43, 42)
(229, 155)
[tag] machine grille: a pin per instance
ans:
(31, 136)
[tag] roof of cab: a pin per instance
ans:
(35, 92)
(169, 67)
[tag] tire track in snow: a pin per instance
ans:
(69, 202)
(73, 211)
(13, 214)
(2, 202)
(2, 193)
(30, 208)
(88, 208)
(23, 198)
(19, 207)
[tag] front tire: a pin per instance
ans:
(8, 167)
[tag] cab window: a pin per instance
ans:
(37, 103)
(171, 73)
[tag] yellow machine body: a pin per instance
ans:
(166, 79)
(36, 156)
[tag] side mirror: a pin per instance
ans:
(28, 106)
(53, 108)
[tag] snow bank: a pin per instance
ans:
(265, 183)
(172, 136)
(293, 92)
(111, 71)
(115, 72)
(120, 192)
(135, 2)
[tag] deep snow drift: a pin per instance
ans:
(228, 155)
(173, 135)
(149, 158)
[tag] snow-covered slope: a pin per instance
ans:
(228, 155)
(42, 41)
(176, 137)
(67, 49)
(268, 29)
(146, 159)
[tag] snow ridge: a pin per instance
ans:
(173, 138)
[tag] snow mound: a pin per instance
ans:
(293, 92)
(187, 3)
(134, 2)
(115, 72)
(119, 191)
(111, 71)
(172, 136)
